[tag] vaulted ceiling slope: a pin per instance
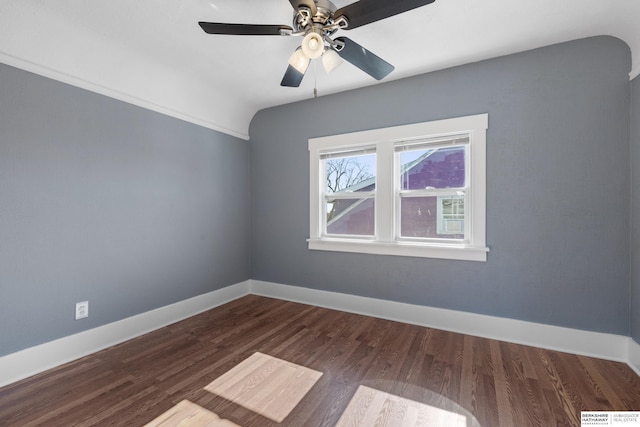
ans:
(153, 53)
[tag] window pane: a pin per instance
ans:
(440, 217)
(351, 216)
(432, 168)
(351, 173)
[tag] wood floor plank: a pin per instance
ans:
(487, 382)
(564, 396)
(469, 381)
(505, 409)
(187, 413)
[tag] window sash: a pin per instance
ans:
(362, 196)
(431, 143)
(350, 195)
(459, 140)
(364, 233)
(359, 196)
(439, 194)
(400, 171)
(350, 152)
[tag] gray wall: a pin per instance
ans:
(133, 210)
(111, 203)
(558, 188)
(635, 210)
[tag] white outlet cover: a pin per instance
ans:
(82, 310)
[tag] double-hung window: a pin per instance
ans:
(349, 195)
(414, 190)
(432, 189)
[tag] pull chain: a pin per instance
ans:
(315, 79)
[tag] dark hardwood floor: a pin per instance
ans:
(494, 383)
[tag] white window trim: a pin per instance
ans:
(384, 139)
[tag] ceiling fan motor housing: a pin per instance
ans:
(304, 21)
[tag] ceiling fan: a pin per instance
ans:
(317, 21)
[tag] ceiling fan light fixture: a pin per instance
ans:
(317, 21)
(313, 45)
(331, 60)
(299, 61)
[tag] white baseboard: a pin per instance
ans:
(24, 363)
(633, 359)
(594, 344)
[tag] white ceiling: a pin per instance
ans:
(153, 53)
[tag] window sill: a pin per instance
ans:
(441, 251)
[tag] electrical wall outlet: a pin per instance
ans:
(82, 310)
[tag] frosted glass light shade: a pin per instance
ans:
(299, 61)
(330, 60)
(313, 45)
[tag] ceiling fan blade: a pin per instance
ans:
(292, 77)
(371, 64)
(367, 11)
(308, 3)
(244, 29)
